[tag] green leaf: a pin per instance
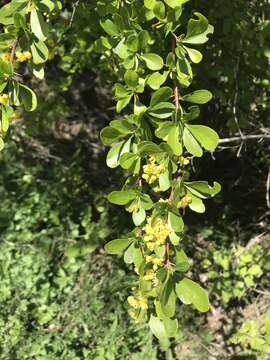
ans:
(175, 3)
(138, 216)
(123, 126)
(38, 71)
(173, 141)
(3, 85)
(194, 55)
(174, 238)
(120, 91)
(46, 5)
(6, 40)
(202, 189)
(121, 104)
(127, 160)
(171, 326)
(39, 51)
(38, 25)
(27, 97)
(168, 299)
(144, 39)
(2, 145)
(156, 79)
(153, 61)
(162, 110)
(197, 204)
(7, 112)
(132, 42)
(109, 135)
(122, 50)
(121, 197)
(145, 202)
(115, 153)
(150, 4)
(133, 255)
(6, 68)
(7, 11)
(191, 144)
(161, 95)
(19, 21)
(206, 136)
(189, 292)
(139, 108)
(164, 181)
(148, 148)
(131, 78)
(158, 329)
(182, 263)
(175, 222)
(117, 246)
(109, 27)
(164, 129)
(198, 97)
(198, 30)
(159, 10)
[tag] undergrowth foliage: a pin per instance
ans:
(154, 47)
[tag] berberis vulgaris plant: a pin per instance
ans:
(151, 46)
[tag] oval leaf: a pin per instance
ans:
(117, 246)
(121, 197)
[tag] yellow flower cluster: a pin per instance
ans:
(156, 233)
(3, 99)
(184, 202)
(150, 275)
(155, 261)
(152, 171)
(138, 302)
(5, 57)
(23, 56)
(183, 161)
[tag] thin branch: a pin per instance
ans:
(268, 190)
(235, 100)
(244, 138)
(13, 50)
(175, 85)
(73, 13)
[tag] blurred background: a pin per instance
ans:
(61, 296)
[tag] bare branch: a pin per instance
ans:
(244, 138)
(268, 190)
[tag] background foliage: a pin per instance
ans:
(62, 297)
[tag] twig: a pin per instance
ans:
(236, 69)
(244, 138)
(268, 190)
(73, 13)
(13, 50)
(256, 240)
(175, 86)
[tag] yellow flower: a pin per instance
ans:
(138, 303)
(5, 57)
(183, 161)
(152, 171)
(133, 302)
(149, 275)
(23, 56)
(143, 303)
(28, 55)
(156, 232)
(3, 99)
(184, 202)
(155, 261)
(163, 200)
